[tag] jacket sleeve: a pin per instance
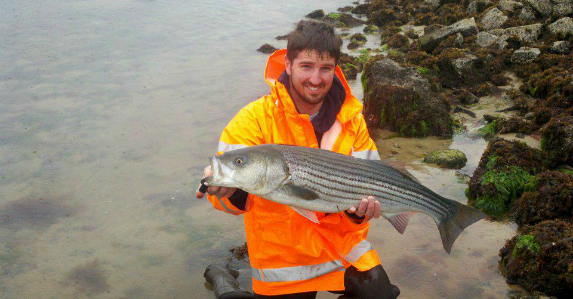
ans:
(242, 131)
(364, 147)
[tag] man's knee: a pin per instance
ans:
(371, 284)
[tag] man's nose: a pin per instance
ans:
(315, 77)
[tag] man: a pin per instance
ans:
(310, 105)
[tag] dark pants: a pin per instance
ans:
(371, 284)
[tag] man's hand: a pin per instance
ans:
(213, 190)
(368, 207)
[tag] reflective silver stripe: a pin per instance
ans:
(296, 273)
(224, 147)
(358, 250)
(227, 208)
(367, 155)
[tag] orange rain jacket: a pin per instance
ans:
(288, 252)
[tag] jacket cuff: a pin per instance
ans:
(355, 218)
(239, 199)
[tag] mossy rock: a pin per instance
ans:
(316, 14)
(371, 29)
(550, 197)
(398, 41)
(541, 258)
(557, 136)
(448, 158)
(504, 170)
(400, 99)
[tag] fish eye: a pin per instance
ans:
(239, 161)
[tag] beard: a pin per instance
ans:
(306, 97)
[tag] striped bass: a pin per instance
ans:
(324, 181)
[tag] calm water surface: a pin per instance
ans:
(108, 112)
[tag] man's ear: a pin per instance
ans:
(287, 65)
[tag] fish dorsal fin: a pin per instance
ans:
(300, 192)
(400, 221)
(310, 215)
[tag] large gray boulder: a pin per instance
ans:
(543, 7)
(527, 33)
(563, 26)
(493, 19)
(509, 5)
(525, 55)
(561, 47)
(431, 40)
(486, 39)
(400, 99)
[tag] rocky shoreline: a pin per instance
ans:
(440, 59)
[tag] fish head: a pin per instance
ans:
(256, 170)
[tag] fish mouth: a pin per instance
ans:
(222, 174)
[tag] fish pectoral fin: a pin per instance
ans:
(310, 215)
(400, 221)
(300, 192)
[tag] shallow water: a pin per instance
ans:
(108, 112)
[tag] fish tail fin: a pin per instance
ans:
(451, 227)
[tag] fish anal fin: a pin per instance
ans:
(400, 221)
(300, 192)
(310, 215)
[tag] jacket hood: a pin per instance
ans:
(276, 66)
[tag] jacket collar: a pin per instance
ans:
(274, 68)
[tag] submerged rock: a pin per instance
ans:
(525, 55)
(541, 258)
(550, 197)
(502, 174)
(316, 14)
(431, 40)
(448, 158)
(493, 19)
(267, 49)
(401, 99)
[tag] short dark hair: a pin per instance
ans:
(311, 35)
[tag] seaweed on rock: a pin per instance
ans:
(541, 258)
(550, 197)
(502, 174)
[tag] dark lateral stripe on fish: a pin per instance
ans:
(367, 188)
(413, 189)
(381, 194)
(375, 171)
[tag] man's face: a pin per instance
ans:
(311, 76)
